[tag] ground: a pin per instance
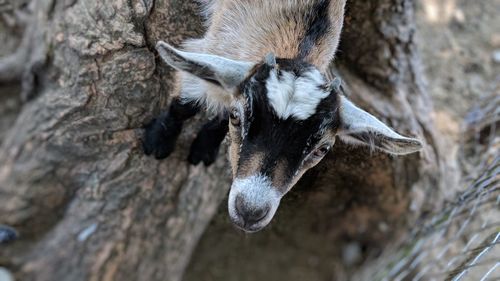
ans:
(459, 39)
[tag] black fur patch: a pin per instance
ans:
(318, 25)
(289, 140)
(207, 143)
(162, 132)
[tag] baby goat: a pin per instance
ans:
(281, 112)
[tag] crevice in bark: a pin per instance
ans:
(13, 65)
(51, 8)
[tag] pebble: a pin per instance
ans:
(7, 234)
(496, 56)
(351, 253)
(5, 275)
(87, 232)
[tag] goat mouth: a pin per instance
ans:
(249, 229)
(246, 226)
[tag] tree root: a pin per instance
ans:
(12, 67)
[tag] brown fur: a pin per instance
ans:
(279, 177)
(234, 149)
(251, 166)
(249, 29)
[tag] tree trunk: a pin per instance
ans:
(90, 206)
(74, 180)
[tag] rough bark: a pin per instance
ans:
(73, 179)
(90, 206)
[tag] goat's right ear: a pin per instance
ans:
(218, 70)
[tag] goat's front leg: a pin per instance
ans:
(163, 131)
(206, 145)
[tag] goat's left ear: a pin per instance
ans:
(218, 70)
(360, 127)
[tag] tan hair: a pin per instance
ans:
(249, 29)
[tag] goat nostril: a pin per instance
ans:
(250, 214)
(260, 214)
(239, 205)
(256, 215)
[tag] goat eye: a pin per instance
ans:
(321, 151)
(235, 117)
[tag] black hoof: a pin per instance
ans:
(160, 136)
(200, 152)
(7, 234)
(207, 143)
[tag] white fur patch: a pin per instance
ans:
(257, 192)
(296, 97)
(213, 98)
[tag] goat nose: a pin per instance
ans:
(250, 214)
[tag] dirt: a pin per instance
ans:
(458, 41)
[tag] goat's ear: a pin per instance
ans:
(360, 127)
(221, 71)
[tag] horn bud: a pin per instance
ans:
(335, 84)
(270, 60)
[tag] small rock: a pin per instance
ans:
(87, 232)
(459, 16)
(7, 234)
(351, 253)
(382, 226)
(5, 275)
(496, 56)
(495, 40)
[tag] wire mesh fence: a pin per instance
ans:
(461, 241)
